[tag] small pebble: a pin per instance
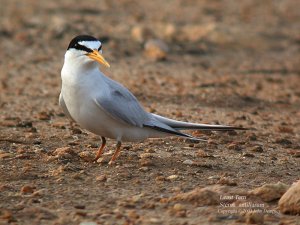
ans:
(294, 152)
(249, 155)
(156, 49)
(5, 155)
(172, 177)
(101, 178)
(188, 162)
(27, 189)
(283, 141)
(88, 223)
(285, 129)
(39, 193)
(178, 207)
(150, 150)
(214, 177)
(257, 149)
(63, 150)
(170, 31)
(160, 178)
(8, 123)
(87, 156)
(196, 32)
(201, 153)
(76, 131)
(227, 181)
(43, 116)
(140, 34)
(64, 153)
(234, 146)
(155, 221)
(132, 214)
(24, 124)
(211, 142)
(60, 125)
(146, 155)
(81, 213)
(137, 198)
(144, 168)
(79, 206)
(146, 162)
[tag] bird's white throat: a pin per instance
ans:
(78, 63)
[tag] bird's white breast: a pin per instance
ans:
(79, 90)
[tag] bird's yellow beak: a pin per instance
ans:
(95, 55)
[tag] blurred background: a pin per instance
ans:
(194, 40)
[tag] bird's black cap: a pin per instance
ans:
(75, 42)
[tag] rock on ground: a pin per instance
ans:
(289, 203)
(156, 49)
(199, 196)
(270, 192)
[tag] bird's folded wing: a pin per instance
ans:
(121, 105)
(64, 107)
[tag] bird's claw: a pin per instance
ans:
(95, 160)
(111, 162)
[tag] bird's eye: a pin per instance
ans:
(100, 48)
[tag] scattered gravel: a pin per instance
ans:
(219, 62)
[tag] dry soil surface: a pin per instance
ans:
(229, 62)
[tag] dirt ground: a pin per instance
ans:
(229, 62)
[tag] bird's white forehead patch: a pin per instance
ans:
(90, 44)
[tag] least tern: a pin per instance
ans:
(105, 107)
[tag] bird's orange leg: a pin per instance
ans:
(100, 150)
(116, 154)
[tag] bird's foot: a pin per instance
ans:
(111, 162)
(95, 159)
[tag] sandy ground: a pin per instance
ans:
(229, 62)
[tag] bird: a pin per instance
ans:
(108, 109)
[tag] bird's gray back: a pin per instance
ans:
(121, 104)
